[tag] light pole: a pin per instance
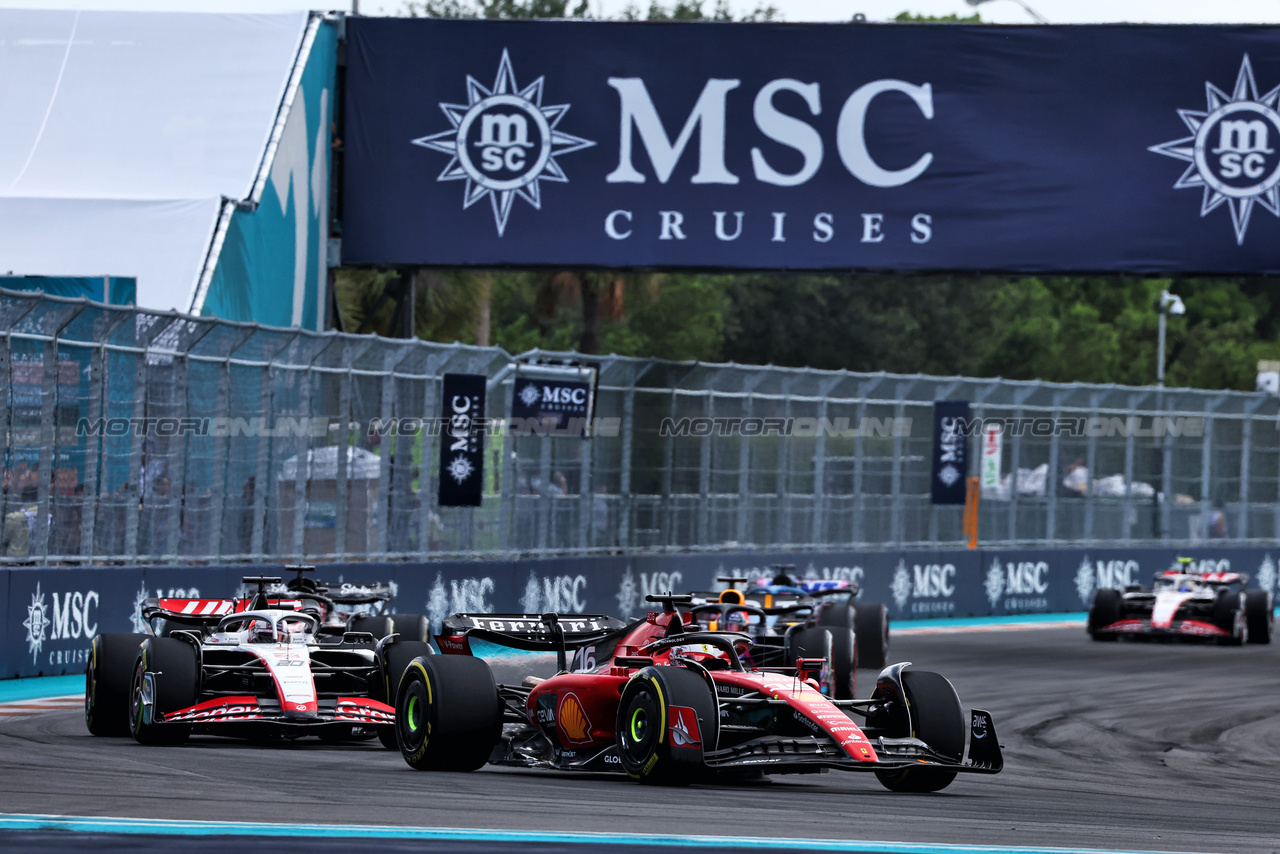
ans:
(1035, 16)
(1169, 304)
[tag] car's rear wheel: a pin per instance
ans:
(106, 682)
(871, 630)
(1259, 615)
(934, 717)
(840, 619)
(174, 674)
(448, 714)
(411, 627)
(667, 718)
(397, 656)
(820, 643)
(1228, 615)
(1107, 608)
(377, 625)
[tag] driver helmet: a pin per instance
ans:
(293, 626)
(260, 632)
(697, 652)
(1186, 585)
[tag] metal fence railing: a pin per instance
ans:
(137, 436)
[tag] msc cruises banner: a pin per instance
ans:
(908, 147)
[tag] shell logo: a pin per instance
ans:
(573, 720)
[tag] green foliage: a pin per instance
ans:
(679, 10)
(953, 18)
(659, 323)
(446, 306)
(672, 317)
(498, 9)
(1061, 329)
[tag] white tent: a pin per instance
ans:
(127, 137)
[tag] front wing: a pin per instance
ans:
(779, 755)
(349, 711)
(1140, 626)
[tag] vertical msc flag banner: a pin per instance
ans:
(1076, 149)
(462, 441)
(950, 451)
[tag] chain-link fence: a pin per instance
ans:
(135, 436)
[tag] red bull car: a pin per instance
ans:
(1182, 603)
(667, 704)
(792, 618)
(249, 667)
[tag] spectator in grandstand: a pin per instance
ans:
(603, 531)
(1076, 481)
(244, 523)
(17, 533)
(1213, 522)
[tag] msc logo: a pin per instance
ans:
(561, 394)
(1099, 575)
(503, 142)
(1232, 150)
(930, 581)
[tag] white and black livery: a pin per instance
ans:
(1183, 603)
(253, 667)
(347, 607)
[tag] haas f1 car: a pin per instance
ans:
(345, 607)
(667, 704)
(250, 667)
(1182, 603)
(790, 619)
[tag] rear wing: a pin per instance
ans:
(810, 586)
(340, 594)
(531, 632)
(202, 612)
(1241, 578)
(359, 594)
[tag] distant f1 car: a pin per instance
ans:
(1181, 603)
(668, 705)
(792, 618)
(346, 607)
(247, 667)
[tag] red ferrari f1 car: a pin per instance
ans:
(665, 704)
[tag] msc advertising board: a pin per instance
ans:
(1134, 149)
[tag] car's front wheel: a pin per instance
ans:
(934, 716)
(1107, 608)
(106, 682)
(1228, 615)
(1259, 615)
(667, 718)
(166, 679)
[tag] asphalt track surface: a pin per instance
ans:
(1110, 746)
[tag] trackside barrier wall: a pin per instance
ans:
(50, 615)
(137, 437)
